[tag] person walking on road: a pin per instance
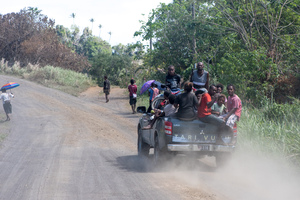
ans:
(106, 88)
(132, 89)
(6, 103)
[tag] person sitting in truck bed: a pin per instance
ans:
(220, 88)
(186, 102)
(218, 108)
(165, 101)
(204, 108)
(212, 91)
(168, 110)
(234, 105)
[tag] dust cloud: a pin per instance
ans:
(247, 176)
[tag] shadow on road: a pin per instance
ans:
(128, 115)
(177, 163)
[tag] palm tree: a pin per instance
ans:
(92, 20)
(73, 15)
(109, 35)
(100, 26)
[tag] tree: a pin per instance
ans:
(16, 28)
(30, 37)
(251, 43)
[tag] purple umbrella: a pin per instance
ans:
(146, 86)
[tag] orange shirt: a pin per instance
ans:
(203, 110)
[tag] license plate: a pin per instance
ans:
(203, 147)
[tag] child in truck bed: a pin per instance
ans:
(218, 108)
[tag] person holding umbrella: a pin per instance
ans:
(6, 102)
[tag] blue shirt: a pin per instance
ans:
(151, 94)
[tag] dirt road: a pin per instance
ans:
(65, 147)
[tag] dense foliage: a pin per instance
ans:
(29, 37)
(253, 44)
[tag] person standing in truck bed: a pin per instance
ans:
(200, 77)
(173, 80)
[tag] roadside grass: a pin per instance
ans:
(54, 77)
(142, 100)
(273, 130)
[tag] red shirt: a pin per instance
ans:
(203, 110)
(132, 89)
(234, 102)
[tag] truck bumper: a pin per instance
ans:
(201, 147)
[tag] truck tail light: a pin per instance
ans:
(168, 128)
(234, 130)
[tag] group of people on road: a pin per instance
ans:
(199, 100)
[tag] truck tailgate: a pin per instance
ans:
(193, 132)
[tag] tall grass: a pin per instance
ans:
(65, 80)
(272, 130)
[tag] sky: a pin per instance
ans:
(120, 17)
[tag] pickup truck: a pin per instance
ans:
(170, 136)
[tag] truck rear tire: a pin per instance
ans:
(142, 147)
(159, 154)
